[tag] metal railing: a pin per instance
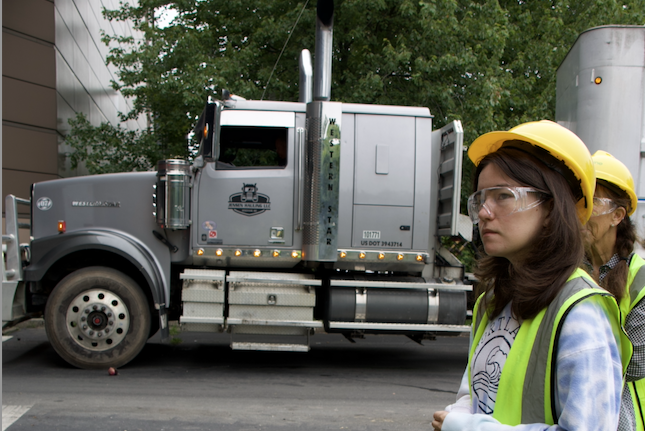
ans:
(13, 290)
(11, 249)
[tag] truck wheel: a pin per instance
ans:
(97, 317)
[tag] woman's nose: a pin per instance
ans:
(484, 212)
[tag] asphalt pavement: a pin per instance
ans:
(197, 382)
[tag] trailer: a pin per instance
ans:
(294, 218)
(600, 96)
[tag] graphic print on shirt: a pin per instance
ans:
(489, 359)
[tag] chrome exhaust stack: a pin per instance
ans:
(306, 77)
(322, 158)
(324, 38)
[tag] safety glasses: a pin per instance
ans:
(602, 206)
(503, 201)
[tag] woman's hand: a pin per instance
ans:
(438, 419)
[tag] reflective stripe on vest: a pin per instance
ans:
(637, 391)
(527, 384)
(636, 289)
(636, 282)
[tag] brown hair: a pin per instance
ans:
(616, 279)
(556, 252)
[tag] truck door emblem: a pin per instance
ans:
(44, 204)
(249, 202)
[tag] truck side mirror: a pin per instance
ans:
(207, 131)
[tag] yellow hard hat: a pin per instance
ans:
(613, 171)
(556, 141)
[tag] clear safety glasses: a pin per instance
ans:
(602, 206)
(503, 201)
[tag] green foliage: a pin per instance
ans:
(250, 157)
(106, 148)
(174, 330)
(489, 63)
(462, 250)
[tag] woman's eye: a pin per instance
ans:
(504, 196)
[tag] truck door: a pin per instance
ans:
(246, 198)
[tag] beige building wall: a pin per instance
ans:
(53, 67)
(29, 136)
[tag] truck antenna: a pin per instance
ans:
(283, 48)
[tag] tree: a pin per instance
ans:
(106, 148)
(489, 63)
(540, 38)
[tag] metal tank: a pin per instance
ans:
(173, 194)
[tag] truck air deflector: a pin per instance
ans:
(450, 140)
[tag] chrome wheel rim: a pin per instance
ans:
(97, 320)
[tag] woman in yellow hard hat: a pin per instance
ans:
(609, 238)
(546, 341)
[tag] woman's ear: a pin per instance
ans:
(618, 216)
(549, 210)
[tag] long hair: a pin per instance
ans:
(616, 279)
(556, 252)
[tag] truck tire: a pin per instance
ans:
(97, 317)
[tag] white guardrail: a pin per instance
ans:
(13, 305)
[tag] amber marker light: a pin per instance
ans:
(238, 253)
(200, 252)
(597, 80)
(276, 253)
(400, 256)
(419, 258)
(381, 255)
(62, 226)
(218, 252)
(294, 254)
(206, 130)
(361, 255)
(257, 253)
(343, 254)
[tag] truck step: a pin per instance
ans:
(265, 322)
(193, 319)
(270, 347)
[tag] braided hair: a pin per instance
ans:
(616, 279)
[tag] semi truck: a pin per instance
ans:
(293, 219)
(600, 96)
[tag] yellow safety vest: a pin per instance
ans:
(527, 385)
(636, 290)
